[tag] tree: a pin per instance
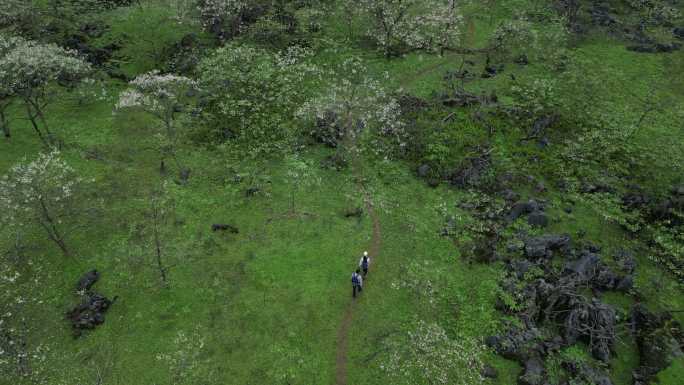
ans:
(249, 95)
(164, 97)
(355, 109)
(426, 355)
(154, 246)
(161, 210)
(542, 40)
(416, 24)
(29, 70)
(42, 191)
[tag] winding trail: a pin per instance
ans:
(376, 237)
(374, 251)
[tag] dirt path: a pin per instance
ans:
(376, 238)
(374, 251)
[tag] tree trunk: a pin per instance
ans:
(36, 128)
(160, 264)
(4, 123)
(39, 112)
(53, 233)
(157, 243)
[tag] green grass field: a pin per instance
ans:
(264, 306)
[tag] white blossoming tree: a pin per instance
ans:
(40, 192)
(519, 36)
(251, 95)
(355, 109)
(415, 24)
(164, 97)
(427, 355)
(29, 70)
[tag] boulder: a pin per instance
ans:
(252, 191)
(605, 278)
(510, 195)
(489, 372)
(517, 343)
(635, 200)
(225, 227)
(625, 284)
(659, 338)
(586, 373)
(594, 188)
(534, 374)
(678, 32)
(600, 15)
(87, 280)
(538, 218)
(514, 246)
(544, 246)
(471, 172)
(523, 208)
(655, 48)
(424, 171)
(89, 313)
(585, 267)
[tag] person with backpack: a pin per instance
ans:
(357, 282)
(364, 262)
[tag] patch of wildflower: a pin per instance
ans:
(425, 354)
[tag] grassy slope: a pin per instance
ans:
(281, 284)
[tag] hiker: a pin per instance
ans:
(364, 262)
(357, 282)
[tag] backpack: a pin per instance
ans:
(364, 263)
(355, 279)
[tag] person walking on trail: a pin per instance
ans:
(364, 262)
(357, 283)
